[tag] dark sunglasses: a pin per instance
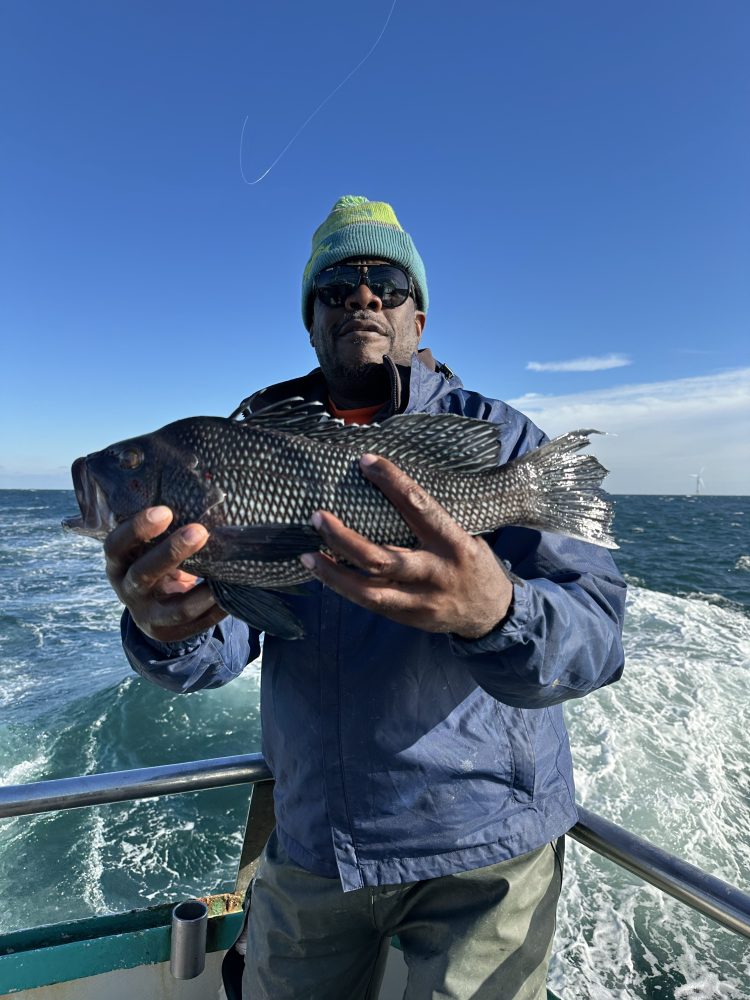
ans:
(389, 283)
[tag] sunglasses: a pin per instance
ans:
(389, 283)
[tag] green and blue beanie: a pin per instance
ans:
(356, 227)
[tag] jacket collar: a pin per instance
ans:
(411, 387)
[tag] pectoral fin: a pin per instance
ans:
(259, 608)
(263, 542)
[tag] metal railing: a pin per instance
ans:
(138, 783)
(705, 893)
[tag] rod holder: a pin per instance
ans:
(187, 955)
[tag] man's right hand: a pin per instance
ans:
(165, 602)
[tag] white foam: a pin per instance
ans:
(663, 752)
(25, 771)
(93, 865)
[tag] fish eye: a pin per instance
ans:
(131, 459)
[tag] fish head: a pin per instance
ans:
(113, 484)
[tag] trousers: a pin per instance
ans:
(484, 934)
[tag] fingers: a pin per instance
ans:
(135, 570)
(396, 599)
(164, 601)
(123, 545)
(429, 521)
(467, 596)
(149, 570)
(172, 618)
(178, 582)
(376, 560)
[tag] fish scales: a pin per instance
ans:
(304, 476)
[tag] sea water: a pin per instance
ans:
(665, 752)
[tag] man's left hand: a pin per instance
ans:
(452, 583)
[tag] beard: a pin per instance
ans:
(366, 381)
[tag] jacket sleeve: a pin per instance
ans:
(207, 660)
(562, 636)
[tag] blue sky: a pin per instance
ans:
(575, 175)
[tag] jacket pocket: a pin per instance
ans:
(521, 747)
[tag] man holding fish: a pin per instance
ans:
(423, 774)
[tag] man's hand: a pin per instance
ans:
(163, 600)
(452, 583)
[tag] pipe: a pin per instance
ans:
(139, 783)
(187, 953)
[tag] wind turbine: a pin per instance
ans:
(698, 477)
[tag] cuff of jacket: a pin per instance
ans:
(510, 630)
(176, 666)
(181, 648)
(164, 650)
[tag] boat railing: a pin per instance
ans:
(718, 900)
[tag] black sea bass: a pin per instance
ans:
(254, 484)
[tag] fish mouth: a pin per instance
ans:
(97, 518)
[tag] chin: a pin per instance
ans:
(365, 359)
(361, 355)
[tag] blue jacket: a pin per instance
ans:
(402, 755)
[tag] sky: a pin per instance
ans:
(574, 174)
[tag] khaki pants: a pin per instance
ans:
(484, 934)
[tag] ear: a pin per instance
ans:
(420, 319)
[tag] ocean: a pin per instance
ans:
(664, 752)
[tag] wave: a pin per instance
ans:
(121, 854)
(697, 596)
(663, 752)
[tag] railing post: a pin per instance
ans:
(260, 823)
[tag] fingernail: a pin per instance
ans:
(307, 560)
(157, 514)
(193, 534)
(367, 460)
(316, 520)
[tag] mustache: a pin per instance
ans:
(360, 316)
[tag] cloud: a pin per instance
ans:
(665, 431)
(581, 364)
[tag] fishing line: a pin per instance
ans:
(322, 104)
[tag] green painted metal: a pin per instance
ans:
(61, 953)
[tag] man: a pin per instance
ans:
(423, 774)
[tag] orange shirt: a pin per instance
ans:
(362, 415)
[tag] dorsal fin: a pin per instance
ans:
(294, 415)
(440, 440)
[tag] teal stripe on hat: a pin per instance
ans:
(357, 227)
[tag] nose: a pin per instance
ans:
(362, 297)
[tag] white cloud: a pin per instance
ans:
(665, 431)
(581, 364)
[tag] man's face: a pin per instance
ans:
(348, 339)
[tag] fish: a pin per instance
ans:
(255, 482)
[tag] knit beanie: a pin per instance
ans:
(360, 228)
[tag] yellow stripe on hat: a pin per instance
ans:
(353, 209)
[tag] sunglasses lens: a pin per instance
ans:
(336, 284)
(389, 283)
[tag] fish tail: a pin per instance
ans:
(560, 490)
